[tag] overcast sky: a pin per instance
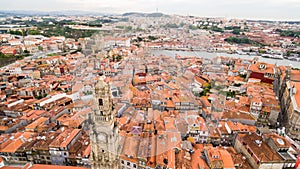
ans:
(253, 9)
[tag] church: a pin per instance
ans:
(104, 131)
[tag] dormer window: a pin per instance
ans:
(215, 157)
(262, 66)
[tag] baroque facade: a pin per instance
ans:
(104, 132)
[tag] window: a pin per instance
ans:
(122, 162)
(134, 165)
(128, 163)
(100, 102)
(249, 151)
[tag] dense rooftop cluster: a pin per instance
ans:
(171, 111)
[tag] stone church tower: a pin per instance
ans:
(104, 132)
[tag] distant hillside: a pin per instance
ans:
(274, 21)
(74, 12)
(138, 14)
(52, 13)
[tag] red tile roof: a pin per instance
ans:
(43, 166)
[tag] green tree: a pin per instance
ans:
(217, 29)
(1, 54)
(152, 38)
(120, 27)
(139, 39)
(243, 76)
(39, 97)
(230, 94)
(34, 32)
(289, 33)
(15, 32)
(128, 28)
(119, 58)
(193, 27)
(262, 51)
(171, 25)
(236, 31)
(239, 40)
(228, 28)
(205, 90)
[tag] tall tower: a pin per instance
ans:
(104, 132)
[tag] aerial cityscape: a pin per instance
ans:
(120, 88)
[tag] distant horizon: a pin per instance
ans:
(85, 12)
(271, 10)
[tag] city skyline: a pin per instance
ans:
(84, 88)
(254, 9)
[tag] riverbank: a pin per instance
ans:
(210, 55)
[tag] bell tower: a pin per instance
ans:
(104, 132)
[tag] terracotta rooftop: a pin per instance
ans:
(297, 94)
(280, 141)
(259, 148)
(237, 115)
(43, 166)
(295, 75)
(218, 153)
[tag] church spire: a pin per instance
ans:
(104, 108)
(104, 132)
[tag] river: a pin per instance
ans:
(208, 55)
